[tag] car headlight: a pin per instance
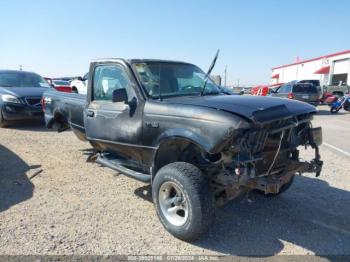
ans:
(10, 99)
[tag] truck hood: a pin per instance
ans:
(255, 108)
(23, 91)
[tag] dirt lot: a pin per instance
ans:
(75, 207)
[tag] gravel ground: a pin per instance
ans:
(54, 202)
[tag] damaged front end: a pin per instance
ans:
(266, 157)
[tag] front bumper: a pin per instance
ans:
(13, 112)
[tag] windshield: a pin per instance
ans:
(61, 82)
(304, 88)
(163, 79)
(21, 79)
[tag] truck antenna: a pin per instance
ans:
(209, 71)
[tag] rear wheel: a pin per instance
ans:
(183, 200)
(74, 90)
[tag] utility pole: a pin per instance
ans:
(225, 75)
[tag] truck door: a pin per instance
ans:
(114, 126)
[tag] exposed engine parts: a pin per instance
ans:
(266, 158)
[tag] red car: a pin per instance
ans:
(59, 85)
(260, 90)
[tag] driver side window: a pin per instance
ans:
(108, 78)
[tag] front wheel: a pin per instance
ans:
(334, 110)
(183, 200)
(3, 122)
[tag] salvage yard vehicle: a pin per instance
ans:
(305, 92)
(20, 95)
(79, 84)
(166, 123)
(61, 85)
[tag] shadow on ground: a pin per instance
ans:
(29, 125)
(15, 186)
(144, 192)
(311, 215)
(324, 112)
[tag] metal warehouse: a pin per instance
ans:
(332, 70)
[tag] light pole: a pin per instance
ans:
(225, 75)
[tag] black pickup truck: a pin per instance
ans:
(166, 123)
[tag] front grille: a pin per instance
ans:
(33, 101)
(261, 144)
(254, 141)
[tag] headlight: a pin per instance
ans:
(10, 99)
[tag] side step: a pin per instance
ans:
(104, 161)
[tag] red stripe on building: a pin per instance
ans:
(313, 59)
(324, 70)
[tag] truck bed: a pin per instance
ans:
(65, 110)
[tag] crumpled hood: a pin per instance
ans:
(23, 91)
(255, 108)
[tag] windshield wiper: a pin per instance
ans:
(209, 71)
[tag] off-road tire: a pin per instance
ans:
(3, 122)
(196, 189)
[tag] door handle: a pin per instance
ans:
(90, 113)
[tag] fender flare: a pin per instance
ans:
(185, 134)
(180, 134)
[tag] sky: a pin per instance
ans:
(59, 37)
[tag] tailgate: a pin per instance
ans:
(306, 97)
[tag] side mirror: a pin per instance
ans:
(80, 78)
(120, 95)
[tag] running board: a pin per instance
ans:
(125, 171)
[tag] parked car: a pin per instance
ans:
(61, 85)
(260, 90)
(167, 124)
(304, 92)
(79, 85)
(20, 96)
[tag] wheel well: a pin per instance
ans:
(59, 119)
(74, 89)
(175, 150)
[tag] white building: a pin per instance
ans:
(333, 69)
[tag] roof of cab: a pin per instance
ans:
(138, 60)
(16, 71)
